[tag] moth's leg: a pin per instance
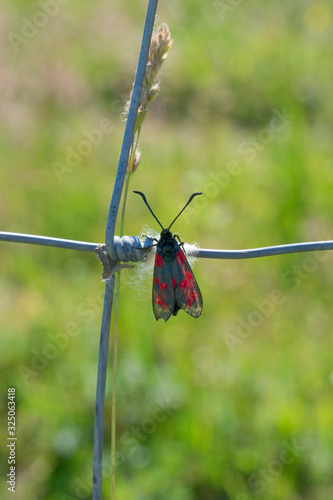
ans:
(150, 246)
(181, 243)
(178, 238)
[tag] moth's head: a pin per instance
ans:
(165, 233)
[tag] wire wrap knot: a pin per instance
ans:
(129, 248)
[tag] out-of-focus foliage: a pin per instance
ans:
(236, 405)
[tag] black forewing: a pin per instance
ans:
(187, 292)
(164, 300)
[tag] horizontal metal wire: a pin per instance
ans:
(46, 241)
(253, 253)
(129, 248)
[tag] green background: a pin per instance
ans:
(238, 404)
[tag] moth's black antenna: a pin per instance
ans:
(146, 202)
(189, 201)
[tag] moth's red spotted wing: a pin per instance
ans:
(174, 285)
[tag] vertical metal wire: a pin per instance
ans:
(100, 390)
(109, 239)
(129, 130)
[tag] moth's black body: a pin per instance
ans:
(167, 245)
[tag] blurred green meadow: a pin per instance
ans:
(237, 405)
